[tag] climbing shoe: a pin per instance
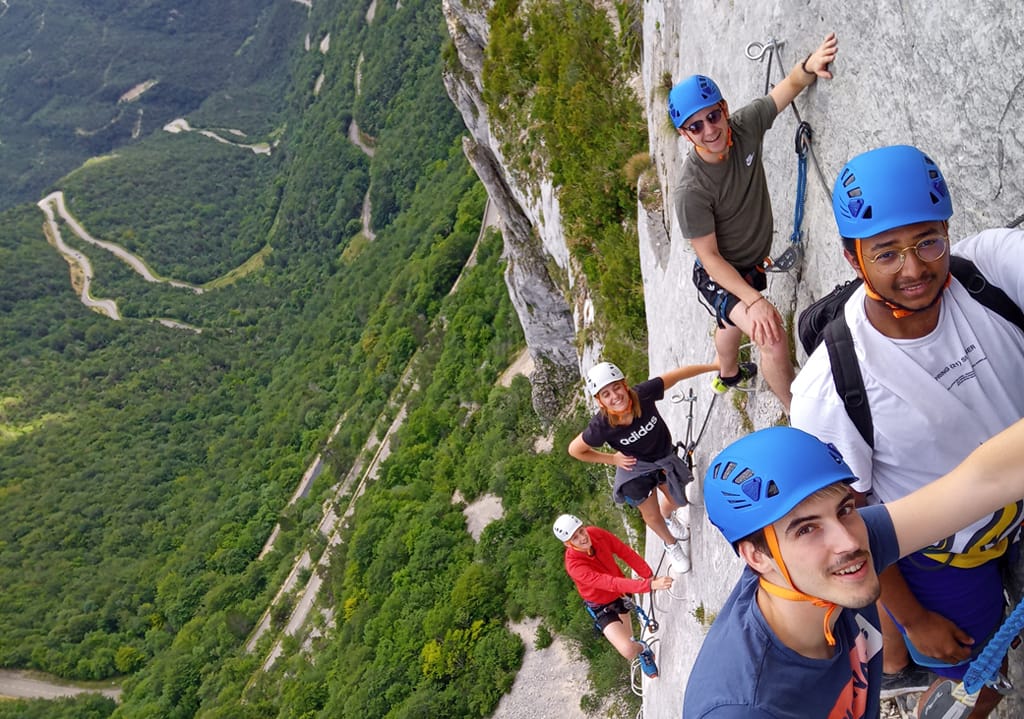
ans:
(909, 679)
(676, 528)
(646, 659)
(679, 555)
(721, 385)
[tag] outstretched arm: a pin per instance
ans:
(804, 73)
(678, 374)
(991, 477)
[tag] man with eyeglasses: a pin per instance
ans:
(942, 373)
(724, 210)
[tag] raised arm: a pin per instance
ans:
(991, 477)
(678, 374)
(806, 72)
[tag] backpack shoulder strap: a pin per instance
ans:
(984, 292)
(847, 377)
(846, 371)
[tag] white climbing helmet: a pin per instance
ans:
(601, 375)
(566, 526)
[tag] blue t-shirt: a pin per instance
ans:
(743, 670)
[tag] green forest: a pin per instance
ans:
(143, 466)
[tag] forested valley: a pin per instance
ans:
(143, 466)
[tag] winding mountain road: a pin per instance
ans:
(17, 684)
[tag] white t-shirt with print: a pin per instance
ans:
(933, 399)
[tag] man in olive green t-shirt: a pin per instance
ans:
(724, 210)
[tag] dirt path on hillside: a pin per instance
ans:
(181, 125)
(81, 268)
(56, 200)
(17, 684)
(365, 216)
(360, 140)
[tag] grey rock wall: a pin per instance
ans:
(947, 77)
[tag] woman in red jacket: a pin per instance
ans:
(590, 561)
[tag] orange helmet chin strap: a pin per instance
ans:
(898, 311)
(620, 415)
(793, 594)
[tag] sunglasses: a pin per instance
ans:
(712, 118)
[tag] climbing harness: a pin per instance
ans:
(647, 623)
(690, 443)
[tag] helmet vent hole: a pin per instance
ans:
(935, 200)
(728, 469)
(855, 192)
(867, 213)
(743, 476)
(849, 180)
(773, 489)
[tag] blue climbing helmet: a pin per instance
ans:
(692, 94)
(887, 188)
(758, 479)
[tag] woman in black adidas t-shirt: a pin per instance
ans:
(644, 458)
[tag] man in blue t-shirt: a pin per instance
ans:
(799, 635)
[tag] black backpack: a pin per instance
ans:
(824, 320)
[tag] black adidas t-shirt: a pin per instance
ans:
(646, 438)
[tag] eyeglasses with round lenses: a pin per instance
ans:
(891, 261)
(712, 118)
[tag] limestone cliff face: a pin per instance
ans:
(947, 78)
(538, 276)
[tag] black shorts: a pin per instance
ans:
(605, 614)
(635, 491)
(720, 302)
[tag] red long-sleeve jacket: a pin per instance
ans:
(598, 578)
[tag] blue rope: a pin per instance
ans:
(803, 142)
(985, 667)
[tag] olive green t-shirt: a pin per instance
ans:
(731, 198)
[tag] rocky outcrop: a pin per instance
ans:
(537, 275)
